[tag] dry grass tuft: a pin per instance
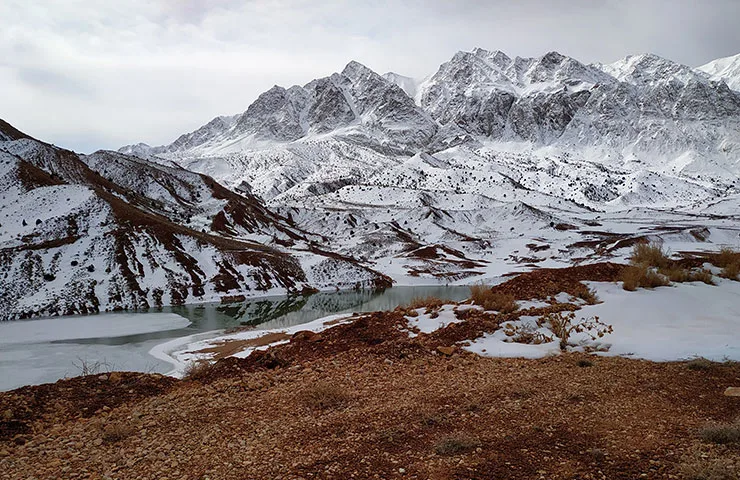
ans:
(729, 261)
(483, 296)
(589, 296)
(197, 370)
(722, 433)
(678, 274)
(430, 303)
(456, 444)
(323, 396)
(726, 256)
(642, 276)
(700, 466)
(731, 272)
(650, 255)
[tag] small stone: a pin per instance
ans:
(98, 442)
(401, 470)
(8, 415)
(115, 377)
(732, 392)
(4, 453)
(446, 350)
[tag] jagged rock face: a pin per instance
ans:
(275, 115)
(329, 108)
(489, 94)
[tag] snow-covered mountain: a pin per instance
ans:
(109, 231)
(725, 69)
(490, 165)
(457, 175)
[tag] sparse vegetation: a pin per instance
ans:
(197, 370)
(698, 468)
(324, 395)
(485, 297)
(650, 255)
(87, 367)
(563, 325)
(634, 277)
(589, 296)
(728, 260)
(430, 303)
(722, 433)
(699, 364)
(678, 274)
(456, 444)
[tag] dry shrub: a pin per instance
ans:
(456, 444)
(729, 261)
(589, 296)
(483, 296)
(526, 334)
(324, 395)
(699, 364)
(430, 303)
(678, 274)
(563, 325)
(650, 255)
(722, 433)
(726, 256)
(642, 276)
(197, 370)
(700, 468)
(702, 275)
(731, 272)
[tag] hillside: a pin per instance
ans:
(106, 231)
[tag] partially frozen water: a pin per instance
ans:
(40, 351)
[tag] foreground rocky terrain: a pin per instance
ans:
(368, 399)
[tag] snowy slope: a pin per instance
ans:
(726, 69)
(109, 232)
(490, 164)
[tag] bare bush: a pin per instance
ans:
(563, 325)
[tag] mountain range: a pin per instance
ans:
(490, 165)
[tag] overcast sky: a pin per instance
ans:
(91, 74)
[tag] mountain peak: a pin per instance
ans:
(355, 69)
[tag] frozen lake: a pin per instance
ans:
(45, 350)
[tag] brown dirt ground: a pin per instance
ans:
(388, 407)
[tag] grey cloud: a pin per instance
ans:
(146, 70)
(55, 82)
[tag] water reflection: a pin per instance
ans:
(280, 312)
